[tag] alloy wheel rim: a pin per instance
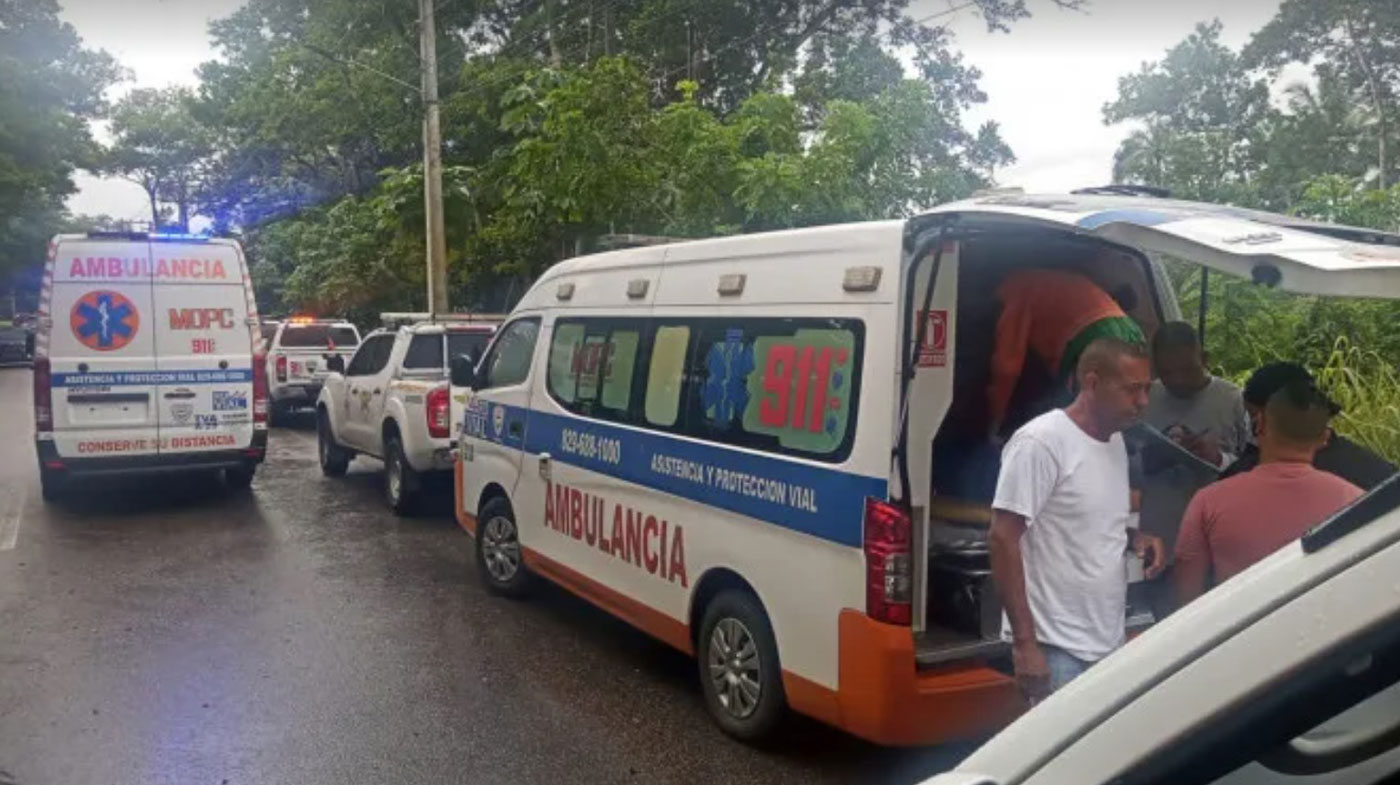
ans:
(500, 549)
(733, 664)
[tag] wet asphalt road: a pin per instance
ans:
(168, 631)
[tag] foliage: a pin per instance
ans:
(158, 144)
(1356, 45)
(1367, 387)
(50, 86)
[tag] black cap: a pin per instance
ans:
(1269, 378)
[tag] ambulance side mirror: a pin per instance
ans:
(336, 363)
(464, 371)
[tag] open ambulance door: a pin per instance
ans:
(1304, 259)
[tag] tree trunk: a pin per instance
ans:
(183, 208)
(1372, 84)
(155, 208)
(550, 34)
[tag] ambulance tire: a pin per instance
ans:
(735, 623)
(499, 559)
(402, 484)
(53, 486)
(334, 458)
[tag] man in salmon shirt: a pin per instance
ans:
(1052, 314)
(1234, 523)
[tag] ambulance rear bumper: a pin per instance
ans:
(253, 454)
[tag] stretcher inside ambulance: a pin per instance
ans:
(966, 252)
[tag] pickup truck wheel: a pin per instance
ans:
(739, 671)
(498, 555)
(334, 458)
(277, 414)
(401, 482)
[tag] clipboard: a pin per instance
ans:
(1160, 452)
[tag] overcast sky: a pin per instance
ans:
(1046, 80)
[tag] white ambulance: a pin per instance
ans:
(145, 359)
(745, 446)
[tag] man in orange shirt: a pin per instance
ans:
(1234, 523)
(1052, 314)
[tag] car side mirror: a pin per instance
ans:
(336, 363)
(463, 371)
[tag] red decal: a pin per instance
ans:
(649, 532)
(201, 318)
(934, 351)
(202, 345)
(677, 568)
(777, 381)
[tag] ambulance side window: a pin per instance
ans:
(666, 374)
(592, 366)
(786, 386)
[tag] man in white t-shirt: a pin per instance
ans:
(1060, 523)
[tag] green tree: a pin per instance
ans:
(158, 144)
(50, 87)
(1203, 118)
(1358, 43)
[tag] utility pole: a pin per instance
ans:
(432, 162)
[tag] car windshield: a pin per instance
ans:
(295, 336)
(469, 343)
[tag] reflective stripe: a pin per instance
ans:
(815, 500)
(197, 376)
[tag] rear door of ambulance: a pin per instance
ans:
(98, 337)
(204, 346)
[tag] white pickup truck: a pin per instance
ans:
(298, 355)
(391, 401)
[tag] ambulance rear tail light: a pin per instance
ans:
(437, 413)
(260, 387)
(281, 367)
(889, 577)
(43, 396)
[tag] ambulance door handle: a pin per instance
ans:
(544, 466)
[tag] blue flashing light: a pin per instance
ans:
(181, 237)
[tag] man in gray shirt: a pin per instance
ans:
(1203, 414)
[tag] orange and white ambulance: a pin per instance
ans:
(145, 359)
(743, 445)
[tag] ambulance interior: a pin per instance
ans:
(961, 610)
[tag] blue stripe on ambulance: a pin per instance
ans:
(1139, 217)
(814, 500)
(117, 378)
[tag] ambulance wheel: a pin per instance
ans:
(739, 670)
(498, 558)
(239, 479)
(401, 482)
(53, 486)
(334, 458)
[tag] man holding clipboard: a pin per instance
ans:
(1195, 426)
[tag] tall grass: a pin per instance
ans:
(1367, 387)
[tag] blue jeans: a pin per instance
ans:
(1064, 667)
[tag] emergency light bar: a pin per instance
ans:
(150, 236)
(395, 319)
